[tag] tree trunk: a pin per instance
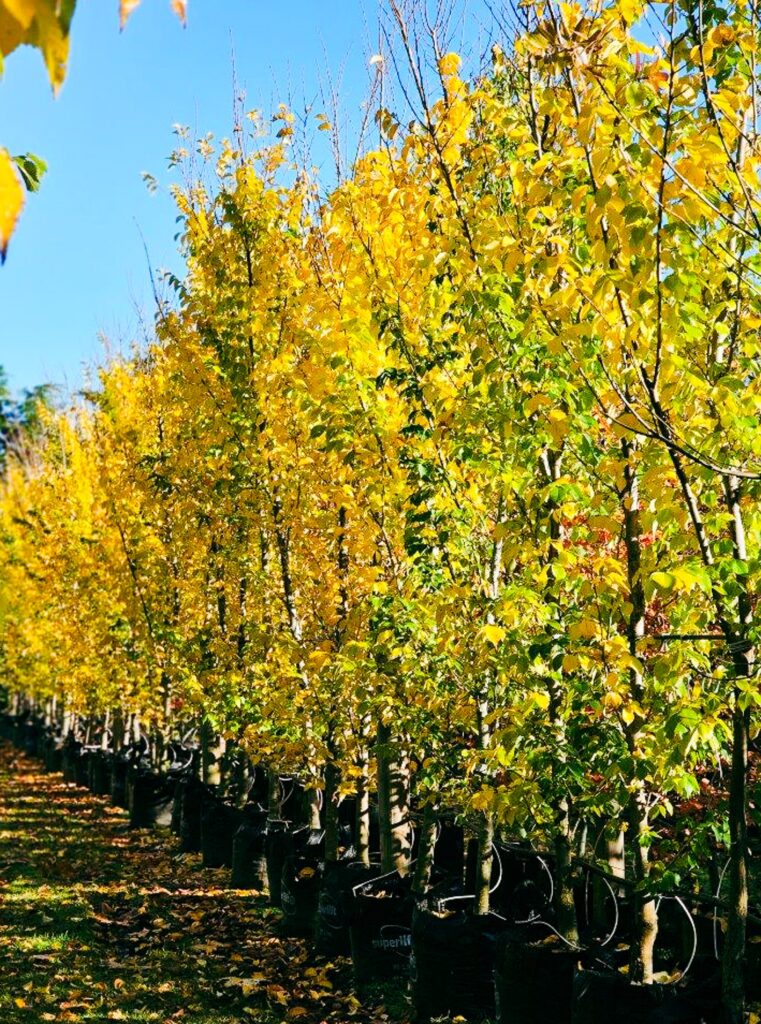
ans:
(104, 736)
(362, 817)
(646, 918)
(273, 795)
(612, 851)
(485, 837)
(118, 733)
(565, 907)
(733, 959)
(314, 800)
(393, 807)
(484, 861)
(426, 849)
(332, 779)
(212, 749)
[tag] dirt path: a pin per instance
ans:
(99, 922)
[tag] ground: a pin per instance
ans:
(100, 922)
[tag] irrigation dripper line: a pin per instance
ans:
(379, 878)
(682, 904)
(715, 915)
(572, 945)
(617, 917)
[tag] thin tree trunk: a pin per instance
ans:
(426, 850)
(212, 749)
(733, 958)
(392, 804)
(332, 779)
(313, 799)
(118, 733)
(273, 795)
(484, 861)
(743, 657)
(646, 918)
(485, 837)
(565, 906)
(362, 816)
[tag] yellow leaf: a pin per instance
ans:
(449, 64)
(12, 32)
(180, 8)
(50, 35)
(11, 200)
(21, 1003)
(126, 7)
(22, 10)
(585, 629)
(492, 633)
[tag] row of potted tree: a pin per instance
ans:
(450, 473)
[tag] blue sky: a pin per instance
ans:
(76, 266)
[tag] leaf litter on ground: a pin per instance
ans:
(100, 922)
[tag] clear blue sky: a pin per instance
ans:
(76, 266)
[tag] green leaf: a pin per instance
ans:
(31, 168)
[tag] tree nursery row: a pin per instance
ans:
(416, 552)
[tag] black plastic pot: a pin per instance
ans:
(82, 768)
(118, 789)
(192, 794)
(600, 996)
(70, 758)
(278, 845)
(381, 928)
(100, 773)
(53, 754)
(533, 982)
(176, 819)
(19, 730)
(333, 919)
(32, 738)
(219, 823)
(249, 857)
(292, 800)
(150, 799)
(452, 968)
(299, 894)
(449, 851)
